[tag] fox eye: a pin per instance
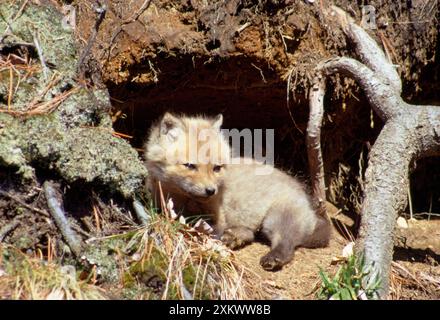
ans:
(217, 168)
(190, 166)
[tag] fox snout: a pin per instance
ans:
(210, 191)
(197, 188)
(204, 191)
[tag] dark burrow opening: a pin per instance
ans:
(247, 93)
(251, 95)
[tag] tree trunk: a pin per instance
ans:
(385, 195)
(410, 133)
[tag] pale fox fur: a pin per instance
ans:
(240, 202)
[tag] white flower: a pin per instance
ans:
(170, 208)
(203, 227)
(348, 250)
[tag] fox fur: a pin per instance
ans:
(240, 202)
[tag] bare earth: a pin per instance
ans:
(416, 271)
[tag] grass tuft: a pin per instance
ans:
(24, 277)
(348, 284)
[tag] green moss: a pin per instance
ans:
(44, 25)
(19, 210)
(24, 242)
(105, 255)
(139, 274)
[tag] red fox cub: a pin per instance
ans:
(191, 159)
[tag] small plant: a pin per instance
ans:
(170, 260)
(347, 284)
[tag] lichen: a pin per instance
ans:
(103, 256)
(11, 155)
(76, 139)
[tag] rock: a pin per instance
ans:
(73, 138)
(348, 250)
(401, 223)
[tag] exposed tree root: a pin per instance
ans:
(410, 133)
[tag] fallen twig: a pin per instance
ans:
(101, 11)
(114, 133)
(142, 215)
(43, 107)
(8, 228)
(399, 268)
(55, 208)
(41, 57)
(242, 27)
(24, 204)
(8, 28)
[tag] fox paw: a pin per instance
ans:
(231, 240)
(272, 261)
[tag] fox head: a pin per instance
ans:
(188, 154)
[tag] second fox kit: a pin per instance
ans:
(240, 202)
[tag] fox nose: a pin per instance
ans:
(210, 191)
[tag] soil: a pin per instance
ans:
(415, 273)
(300, 278)
(188, 56)
(253, 62)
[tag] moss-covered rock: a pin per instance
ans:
(73, 138)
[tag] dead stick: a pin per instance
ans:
(313, 141)
(101, 11)
(141, 213)
(39, 211)
(57, 212)
(24, 204)
(41, 56)
(8, 228)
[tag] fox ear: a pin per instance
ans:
(218, 121)
(170, 126)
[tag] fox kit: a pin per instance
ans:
(240, 201)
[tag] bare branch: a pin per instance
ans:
(142, 215)
(382, 96)
(316, 166)
(8, 228)
(410, 132)
(57, 212)
(369, 51)
(385, 196)
(373, 56)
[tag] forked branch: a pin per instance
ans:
(410, 132)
